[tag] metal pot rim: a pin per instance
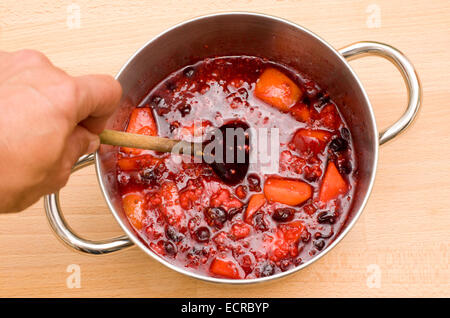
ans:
(66, 234)
(139, 243)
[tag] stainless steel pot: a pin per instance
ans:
(254, 34)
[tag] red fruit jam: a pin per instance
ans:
(266, 224)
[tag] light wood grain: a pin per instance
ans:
(404, 229)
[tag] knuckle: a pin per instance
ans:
(69, 89)
(68, 93)
(31, 57)
(115, 85)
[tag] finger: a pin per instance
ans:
(95, 124)
(80, 142)
(99, 96)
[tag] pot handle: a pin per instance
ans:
(66, 234)
(361, 49)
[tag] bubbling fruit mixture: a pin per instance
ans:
(268, 223)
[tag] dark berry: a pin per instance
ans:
(243, 92)
(319, 95)
(267, 270)
(174, 126)
(324, 99)
(259, 222)
(305, 236)
(312, 174)
(318, 235)
(285, 264)
(345, 133)
(173, 235)
(326, 217)
(148, 176)
(254, 183)
(283, 214)
(184, 109)
(202, 234)
(345, 167)
(338, 144)
(306, 100)
(234, 211)
(171, 86)
(216, 217)
(320, 244)
(188, 71)
(170, 248)
(195, 251)
(298, 262)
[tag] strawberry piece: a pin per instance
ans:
(284, 244)
(223, 268)
(191, 194)
(240, 230)
(277, 248)
(276, 89)
(140, 118)
(292, 231)
(254, 204)
(241, 192)
(310, 209)
(301, 112)
(333, 184)
(223, 198)
(313, 173)
(223, 241)
(169, 205)
(329, 117)
(290, 162)
(141, 122)
(308, 141)
(137, 163)
(196, 130)
(279, 251)
(287, 191)
(133, 206)
(189, 197)
(246, 261)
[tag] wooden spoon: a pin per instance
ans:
(230, 172)
(160, 144)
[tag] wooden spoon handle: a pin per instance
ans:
(124, 139)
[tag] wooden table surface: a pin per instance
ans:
(400, 245)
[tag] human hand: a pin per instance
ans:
(48, 119)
